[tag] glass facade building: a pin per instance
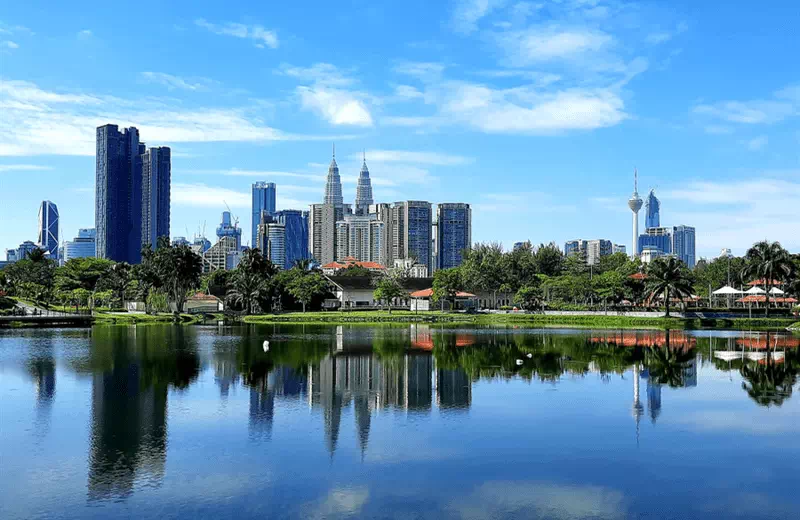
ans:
(363, 191)
(48, 228)
(156, 174)
(228, 228)
(652, 207)
(333, 185)
(296, 244)
(454, 232)
(82, 246)
(118, 194)
(683, 242)
(264, 196)
(412, 223)
(659, 238)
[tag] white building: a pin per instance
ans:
(362, 238)
(411, 268)
(651, 253)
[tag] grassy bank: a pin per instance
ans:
(530, 320)
(143, 319)
(795, 326)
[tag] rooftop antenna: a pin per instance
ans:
(334, 150)
(365, 155)
(635, 180)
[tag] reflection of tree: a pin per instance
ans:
(770, 383)
(133, 369)
(669, 365)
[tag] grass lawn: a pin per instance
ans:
(141, 319)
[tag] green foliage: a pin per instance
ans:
(668, 277)
(446, 283)
(387, 289)
(770, 262)
(251, 285)
(529, 297)
(307, 287)
(354, 270)
(717, 273)
(82, 273)
(178, 269)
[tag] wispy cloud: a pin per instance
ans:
(429, 158)
(23, 167)
(8, 44)
(468, 13)
(85, 34)
(783, 104)
(15, 29)
(259, 35)
(176, 82)
(757, 143)
(539, 44)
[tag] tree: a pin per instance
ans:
(387, 289)
(305, 288)
(446, 285)
(179, 269)
(250, 284)
(665, 277)
(482, 268)
(610, 286)
(33, 276)
(770, 262)
(82, 273)
(118, 279)
(218, 283)
(354, 270)
(549, 259)
(147, 277)
(529, 297)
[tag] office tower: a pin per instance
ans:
(333, 186)
(683, 242)
(23, 250)
(201, 245)
(383, 213)
(518, 246)
(11, 255)
(635, 204)
(296, 225)
(271, 239)
(659, 238)
(82, 246)
(652, 209)
(180, 241)
(595, 249)
(48, 228)
(222, 255)
(454, 232)
(322, 233)
(411, 231)
(230, 228)
(118, 194)
(435, 245)
(619, 248)
(363, 190)
(362, 238)
(264, 194)
(575, 247)
(156, 175)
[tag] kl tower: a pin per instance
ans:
(635, 203)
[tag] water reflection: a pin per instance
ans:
(133, 369)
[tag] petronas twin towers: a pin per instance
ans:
(333, 187)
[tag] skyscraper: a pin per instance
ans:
(383, 213)
(362, 238)
(322, 233)
(635, 204)
(156, 175)
(83, 246)
(118, 194)
(659, 238)
(411, 231)
(683, 242)
(264, 194)
(296, 224)
(333, 186)
(597, 248)
(231, 229)
(652, 208)
(48, 228)
(271, 239)
(454, 232)
(363, 190)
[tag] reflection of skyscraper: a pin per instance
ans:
(453, 389)
(419, 389)
(653, 397)
(262, 411)
(638, 409)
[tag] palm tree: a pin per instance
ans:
(251, 281)
(36, 255)
(770, 383)
(304, 264)
(768, 261)
(666, 276)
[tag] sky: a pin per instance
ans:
(535, 113)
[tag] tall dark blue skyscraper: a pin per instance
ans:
(652, 208)
(455, 233)
(263, 200)
(118, 194)
(48, 228)
(296, 243)
(156, 172)
(683, 244)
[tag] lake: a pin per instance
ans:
(407, 421)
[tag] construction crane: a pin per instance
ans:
(233, 217)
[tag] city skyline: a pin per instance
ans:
(511, 109)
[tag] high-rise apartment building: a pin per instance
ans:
(271, 240)
(454, 233)
(363, 190)
(574, 247)
(362, 238)
(156, 178)
(659, 238)
(118, 194)
(411, 231)
(619, 248)
(322, 232)
(383, 213)
(683, 244)
(652, 209)
(82, 246)
(48, 228)
(597, 248)
(296, 224)
(264, 199)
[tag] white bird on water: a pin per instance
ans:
(530, 355)
(266, 345)
(519, 362)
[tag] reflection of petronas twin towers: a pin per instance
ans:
(369, 383)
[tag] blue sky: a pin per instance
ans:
(534, 112)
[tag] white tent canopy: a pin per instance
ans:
(726, 290)
(775, 290)
(755, 290)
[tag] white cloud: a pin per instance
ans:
(85, 34)
(785, 103)
(407, 92)
(23, 167)
(757, 143)
(176, 82)
(321, 73)
(658, 37)
(408, 121)
(468, 13)
(419, 69)
(258, 34)
(328, 96)
(41, 122)
(339, 503)
(15, 29)
(718, 129)
(539, 44)
(431, 158)
(8, 44)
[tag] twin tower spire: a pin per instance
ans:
(333, 186)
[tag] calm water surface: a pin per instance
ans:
(409, 422)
